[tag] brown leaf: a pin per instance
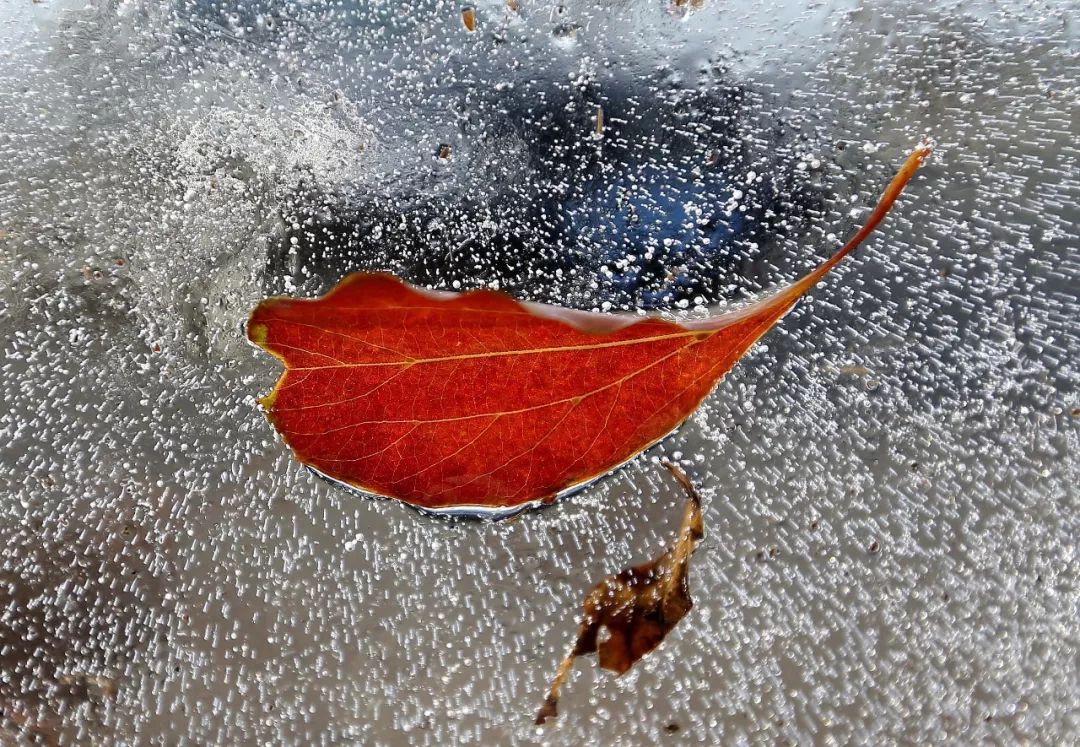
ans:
(636, 607)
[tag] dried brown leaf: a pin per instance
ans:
(636, 607)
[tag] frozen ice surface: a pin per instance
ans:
(892, 510)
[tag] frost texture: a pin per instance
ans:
(889, 479)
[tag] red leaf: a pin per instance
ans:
(477, 402)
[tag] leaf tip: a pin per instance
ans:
(684, 481)
(919, 154)
(550, 709)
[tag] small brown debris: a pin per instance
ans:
(468, 17)
(683, 7)
(91, 683)
(43, 731)
(637, 607)
(444, 151)
(854, 370)
(598, 131)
